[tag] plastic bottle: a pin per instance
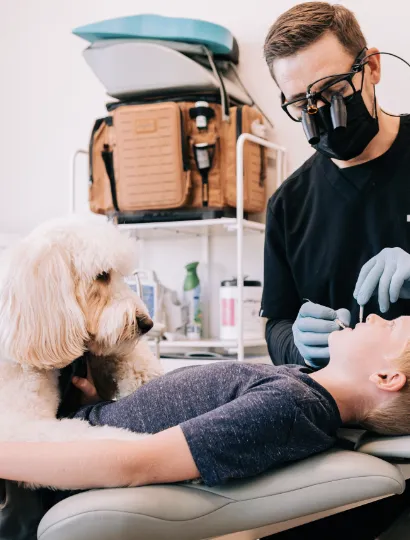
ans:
(192, 297)
(150, 291)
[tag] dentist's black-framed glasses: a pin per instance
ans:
(323, 90)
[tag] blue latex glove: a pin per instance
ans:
(390, 272)
(312, 329)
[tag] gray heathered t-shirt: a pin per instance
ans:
(239, 419)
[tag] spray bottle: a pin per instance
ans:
(192, 298)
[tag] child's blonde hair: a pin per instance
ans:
(393, 417)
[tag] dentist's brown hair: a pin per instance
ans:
(305, 23)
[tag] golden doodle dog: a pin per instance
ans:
(62, 293)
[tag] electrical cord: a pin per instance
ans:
(235, 71)
(395, 56)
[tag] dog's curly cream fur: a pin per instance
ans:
(62, 292)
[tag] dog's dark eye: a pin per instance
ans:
(104, 277)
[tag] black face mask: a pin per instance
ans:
(349, 142)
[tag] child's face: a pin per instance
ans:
(371, 345)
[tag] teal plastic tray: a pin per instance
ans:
(217, 38)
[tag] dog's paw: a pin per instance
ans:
(129, 386)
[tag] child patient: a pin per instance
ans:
(233, 420)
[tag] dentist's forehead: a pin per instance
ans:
(325, 57)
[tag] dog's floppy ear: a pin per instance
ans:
(41, 323)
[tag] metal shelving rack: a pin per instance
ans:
(204, 229)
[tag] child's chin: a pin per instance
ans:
(332, 338)
(335, 337)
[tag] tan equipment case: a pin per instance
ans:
(151, 156)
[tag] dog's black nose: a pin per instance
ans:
(144, 324)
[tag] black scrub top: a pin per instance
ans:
(324, 223)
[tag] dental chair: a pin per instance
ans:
(298, 493)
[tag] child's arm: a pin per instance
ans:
(161, 458)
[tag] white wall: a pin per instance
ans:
(50, 97)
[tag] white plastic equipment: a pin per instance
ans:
(133, 67)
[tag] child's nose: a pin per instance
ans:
(375, 319)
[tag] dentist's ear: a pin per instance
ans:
(373, 63)
(390, 380)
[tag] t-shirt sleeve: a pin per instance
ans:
(280, 298)
(242, 438)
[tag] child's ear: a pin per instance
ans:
(390, 380)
